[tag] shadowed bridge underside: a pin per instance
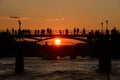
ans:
(38, 38)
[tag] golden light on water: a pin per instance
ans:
(57, 41)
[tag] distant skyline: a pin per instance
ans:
(59, 14)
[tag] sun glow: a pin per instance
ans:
(57, 41)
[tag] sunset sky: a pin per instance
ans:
(59, 14)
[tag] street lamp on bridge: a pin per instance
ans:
(19, 30)
(19, 24)
(106, 24)
(102, 27)
(19, 64)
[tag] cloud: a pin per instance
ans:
(23, 18)
(13, 17)
(59, 19)
(16, 17)
(51, 19)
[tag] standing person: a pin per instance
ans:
(84, 31)
(7, 30)
(74, 31)
(66, 31)
(60, 32)
(13, 31)
(77, 31)
(38, 31)
(35, 32)
(46, 43)
(48, 31)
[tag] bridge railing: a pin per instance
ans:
(53, 32)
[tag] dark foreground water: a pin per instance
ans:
(37, 69)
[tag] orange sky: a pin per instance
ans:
(59, 14)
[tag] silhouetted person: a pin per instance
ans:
(35, 32)
(42, 32)
(97, 33)
(77, 31)
(66, 31)
(114, 31)
(60, 32)
(46, 43)
(19, 32)
(84, 32)
(115, 35)
(38, 32)
(107, 32)
(13, 31)
(50, 31)
(7, 30)
(90, 36)
(91, 33)
(74, 30)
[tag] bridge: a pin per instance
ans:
(40, 35)
(87, 36)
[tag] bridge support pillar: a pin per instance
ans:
(104, 63)
(19, 64)
(103, 50)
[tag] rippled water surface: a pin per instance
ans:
(37, 69)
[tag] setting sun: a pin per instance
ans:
(57, 41)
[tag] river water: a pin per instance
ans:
(38, 69)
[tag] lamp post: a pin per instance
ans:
(19, 64)
(106, 24)
(102, 27)
(19, 30)
(19, 24)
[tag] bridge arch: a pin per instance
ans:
(74, 39)
(64, 41)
